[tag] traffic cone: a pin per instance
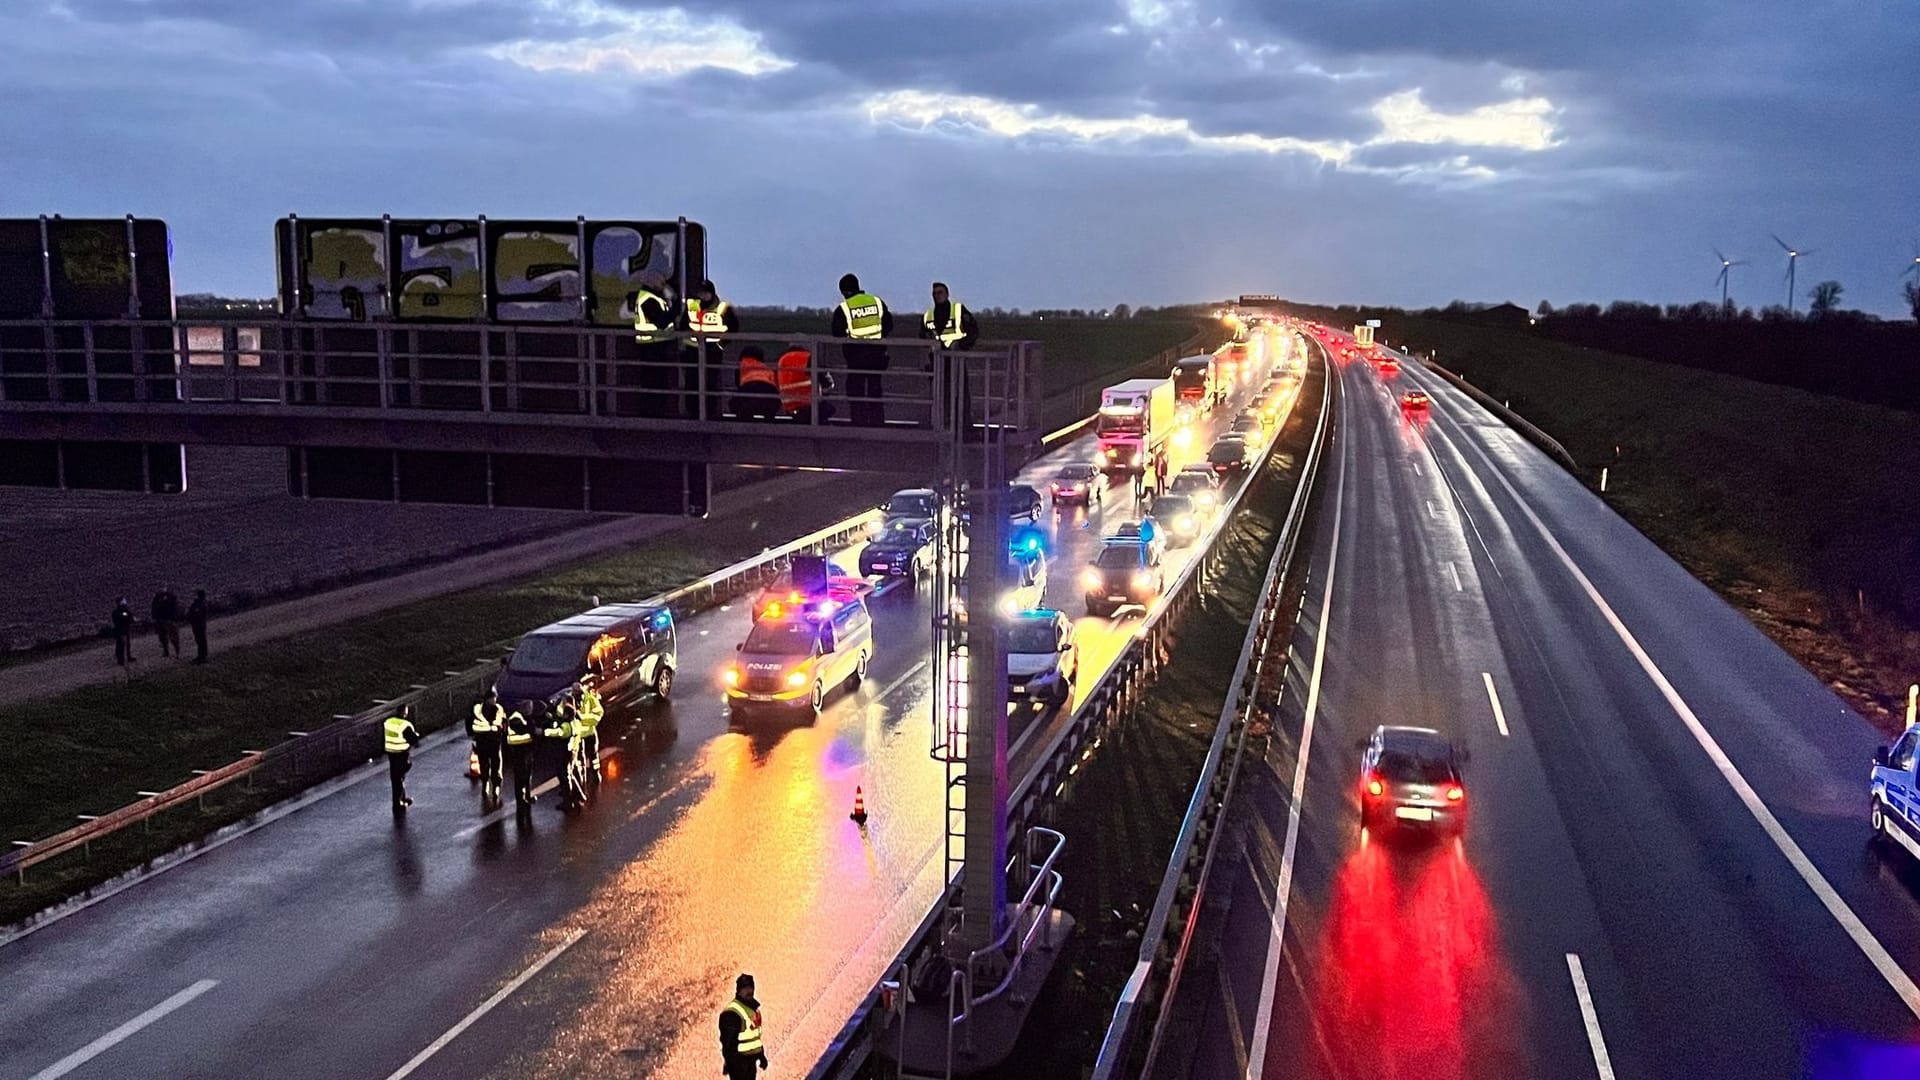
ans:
(473, 764)
(859, 814)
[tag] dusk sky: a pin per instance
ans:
(1056, 153)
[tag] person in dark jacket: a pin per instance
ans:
(166, 621)
(197, 622)
(863, 317)
(519, 747)
(950, 323)
(122, 632)
(713, 318)
(398, 737)
(741, 1047)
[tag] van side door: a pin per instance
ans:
(1894, 782)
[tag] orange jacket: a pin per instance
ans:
(754, 370)
(796, 380)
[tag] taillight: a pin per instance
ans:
(1375, 787)
(1455, 793)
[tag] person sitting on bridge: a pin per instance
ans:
(756, 395)
(797, 394)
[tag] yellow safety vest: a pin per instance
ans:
(487, 725)
(394, 734)
(520, 737)
(865, 316)
(644, 331)
(952, 333)
(711, 321)
(591, 710)
(749, 1044)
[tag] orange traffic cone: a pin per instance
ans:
(859, 814)
(473, 764)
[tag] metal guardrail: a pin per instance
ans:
(1514, 420)
(1212, 790)
(352, 739)
(1113, 696)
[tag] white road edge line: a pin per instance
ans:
(120, 1034)
(1598, 1042)
(1269, 979)
(487, 1006)
(1876, 953)
(1499, 714)
(1455, 571)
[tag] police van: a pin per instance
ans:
(798, 652)
(1894, 794)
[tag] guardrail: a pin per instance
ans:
(1211, 791)
(1514, 420)
(1113, 697)
(351, 739)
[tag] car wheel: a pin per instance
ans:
(1878, 818)
(663, 683)
(859, 672)
(818, 701)
(1061, 693)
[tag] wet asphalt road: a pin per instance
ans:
(337, 941)
(1668, 814)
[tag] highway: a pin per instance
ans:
(1666, 871)
(338, 941)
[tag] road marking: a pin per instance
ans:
(1499, 715)
(507, 811)
(895, 684)
(120, 1034)
(486, 1006)
(1269, 980)
(1455, 571)
(1601, 1062)
(1876, 953)
(1431, 512)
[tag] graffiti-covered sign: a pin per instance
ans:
(85, 268)
(480, 270)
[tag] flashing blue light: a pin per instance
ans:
(663, 618)
(1028, 541)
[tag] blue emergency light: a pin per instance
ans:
(1027, 541)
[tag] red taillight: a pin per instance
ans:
(1455, 793)
(1375, 787)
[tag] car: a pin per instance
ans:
(1029, 586)
(1077, 483)
(625, 650)
(1177, 518)
(1124, 571)
(1893, 795)
(904, 549)
(1415, 401)
(1200, 483)
(1024, 504)
(1228, 455)
(797, 655)
(1389, 367)
(920, 503)
(1146, 531)
(1411, 777)
(1042, 659)
(1249, 425)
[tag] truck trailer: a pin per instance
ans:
(1135, 418)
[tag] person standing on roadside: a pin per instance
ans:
(862, 318)
(741, 1047)
(398, 737)
(520, 756)
(197, 622)
(122, 633)
(487, 727)
(166, 621)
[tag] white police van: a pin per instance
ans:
(1895, 794)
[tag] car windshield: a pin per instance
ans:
(1187, 481)
(901, 534)
(780, 637)
(550, 655)
(1226, 451)
(1031, 636)
(912, 504)
(1408, 767)
(1171, 506)
(1117, 557)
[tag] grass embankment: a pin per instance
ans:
(1800, 510)
(89, 751)
(1121, 814)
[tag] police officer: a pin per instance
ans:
(713, 318)
(398, 737)
(655, 348)
(741, 1048)
(952, 325)
(519, 744)
(487, 727)
(591, 711)
(863, 317)
(561, 738)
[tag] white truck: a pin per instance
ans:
(1363, 336)
(1135, 418)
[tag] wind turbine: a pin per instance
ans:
(1793, 259)
(1726, 271)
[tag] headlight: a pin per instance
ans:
(1093, 579)
(796, 679)
(1142, 579)
(1009, 605)
(732, 676)
(1184, 523)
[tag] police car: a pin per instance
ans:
(799, 652)
(1894, 794)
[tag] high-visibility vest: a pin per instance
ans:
(865, 316)
(952, 333)
(754, 370)
(483, 724)
(519, 732)
(591, 710)
(644, 331)
(796, 380)
(711, 321)
(394, 734)
(749, 1044)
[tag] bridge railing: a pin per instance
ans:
(456, 371)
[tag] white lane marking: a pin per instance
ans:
(1269, 980)
(1431, 512)
(1455, 571)
(1499, 715)
(895, 684)
(120, 1034)
(1601, 1062)
(507, 811)
(487, 1006)
(1876, 953)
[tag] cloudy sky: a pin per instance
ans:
(1031, 152)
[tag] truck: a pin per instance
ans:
(1363, 336)
(1135, 418)
(1193, 380)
